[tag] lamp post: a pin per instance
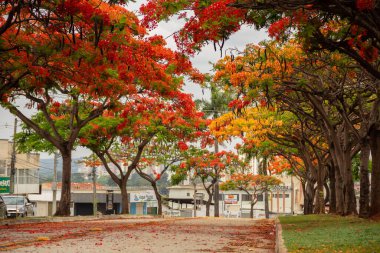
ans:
(95, 209)
(13, 160)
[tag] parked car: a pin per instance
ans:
(18, 206)
(3, 209)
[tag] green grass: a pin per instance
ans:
(328, 233)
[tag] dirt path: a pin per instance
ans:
(142, 235)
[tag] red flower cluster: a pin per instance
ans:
(279, 27)
(182, 146)
(365, 4)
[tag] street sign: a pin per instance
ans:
(231, 198)
(199, 196)
(142, 196)
(5, 183)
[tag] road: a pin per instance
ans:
(161, 235)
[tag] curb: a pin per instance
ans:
(280, 245)
(73, 219)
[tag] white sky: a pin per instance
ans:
(201, 61)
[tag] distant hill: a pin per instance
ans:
(47, 168)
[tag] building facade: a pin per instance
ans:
(286, 198)
(26, 169)
(142, 200)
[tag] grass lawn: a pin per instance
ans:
(328, 233)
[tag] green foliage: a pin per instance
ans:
(28, 141)
(218, 103)
(176, 177)
(229, 185)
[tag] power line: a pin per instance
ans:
(39, 166)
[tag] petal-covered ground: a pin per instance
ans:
(141, 235)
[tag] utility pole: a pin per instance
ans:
(195, 199)
(94, 202)
(13, 160)
(54, 184)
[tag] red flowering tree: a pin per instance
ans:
(210, 168)
(158, 158)
(252, 185)
(349, 27)
(75, 61)
(126, 137)
(163, 152)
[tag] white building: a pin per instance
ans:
(284, 199)
(142, 200)
(27, 169)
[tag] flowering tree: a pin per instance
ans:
(348, 27)
(252, 185)
(209, 168)
(124, 137)
(72, 60)
(161, 155)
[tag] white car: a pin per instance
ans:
(18, 206)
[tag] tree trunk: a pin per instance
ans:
(209, 200)
(375, 176)
(350, 207)
(210, 193)
(339, 192)
(364, 180)
(345, 192)
(216, 187)
(309, 197)
(251, 213)
(208, 204)
(332, 198)
(319, 198)
(158, 197)
(64, 203)
(124, 197)
(216, 199)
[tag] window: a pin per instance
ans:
(3, 167)
(245, 197)
(10, 200)
(27, 176)
(280, 195)
(188, 194)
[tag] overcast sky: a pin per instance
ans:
(201, 61)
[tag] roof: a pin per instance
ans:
(188, 186)
(75, 186)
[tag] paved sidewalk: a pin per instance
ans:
(136, 235)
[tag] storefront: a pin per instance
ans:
(142, 203)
